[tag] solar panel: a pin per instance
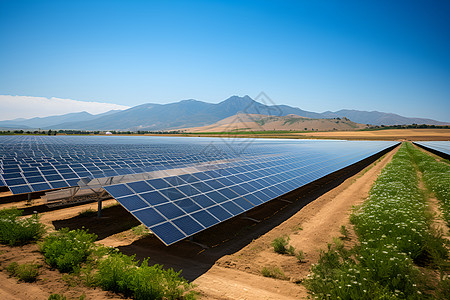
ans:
(190, 183)
(440, 146)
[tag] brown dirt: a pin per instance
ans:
(238, 249)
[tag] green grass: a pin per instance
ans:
(436, 176)
(274, 272)
(27, 272)
(123, 274)
(141, 230)
(393, 228)
(17, 230)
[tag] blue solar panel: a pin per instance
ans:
(192, 183)
(440, 146)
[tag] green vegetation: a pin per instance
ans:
(274, 272)
(280, 245)
(57, 297)
(411, 126)
(67, 249)
(74, 251)
(393, 228)
(121, 273)
(27, 272)
(16, 230)
(436, 176)
(344, 231)
(141, 230)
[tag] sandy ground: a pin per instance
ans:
(238, 249)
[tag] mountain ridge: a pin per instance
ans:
(194, 113)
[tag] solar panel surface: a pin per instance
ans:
(191, 183)
(441, 146)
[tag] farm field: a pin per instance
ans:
(385, 134)
(238, 249)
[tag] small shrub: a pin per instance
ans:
(273, 272)
(66, 250)
(300, 256)
(27, 272)
(15, 230)
(280, 245)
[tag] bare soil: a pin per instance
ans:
(237, 250)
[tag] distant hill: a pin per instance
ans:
(194, 113)
(379, 118)
(50, 122)
(255, 122)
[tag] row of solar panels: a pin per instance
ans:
(440, 146)
(216, 178)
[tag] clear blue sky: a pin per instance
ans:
(391, 56)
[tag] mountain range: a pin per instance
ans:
(194, 113)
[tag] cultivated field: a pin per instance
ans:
(240, 262)
(386, 134)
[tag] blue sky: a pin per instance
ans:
(391, 56)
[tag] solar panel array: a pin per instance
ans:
(441, 146)
(193, 183)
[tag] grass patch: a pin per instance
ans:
(436, 176)
(121, 273)
(67, 249)
(17, 230)
(27, 272)
(141, 230)
(274, 272)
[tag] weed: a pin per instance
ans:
(27, 272)
(300, 256)
(16, 230)
(274, 272)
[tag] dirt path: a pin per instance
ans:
(238, 276)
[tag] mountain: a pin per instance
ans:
(193, 113)
(378, 118)
(183, 114)
(50, 122)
